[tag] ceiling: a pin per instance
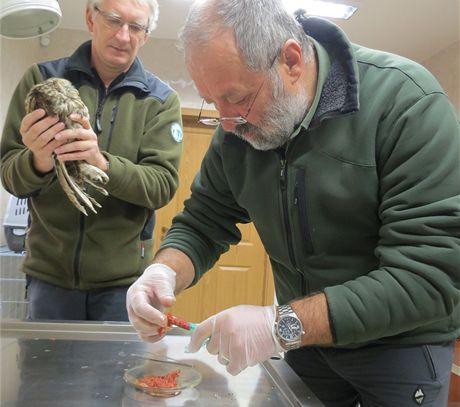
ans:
(417, 29)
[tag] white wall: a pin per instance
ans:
(445, 65)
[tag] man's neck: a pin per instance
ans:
(107, 75)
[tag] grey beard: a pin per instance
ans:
(279, 121)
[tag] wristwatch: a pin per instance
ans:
(288, 328)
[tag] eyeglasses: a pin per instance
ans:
(215, 121)
(115, 23)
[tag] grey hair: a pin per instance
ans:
(260, 27)
(153, 6)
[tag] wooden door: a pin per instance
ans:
(242, 275)
(454, 390)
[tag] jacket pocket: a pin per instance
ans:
(147, 230)
(430, 362)
(300, 201)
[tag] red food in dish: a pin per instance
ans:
(168, 381)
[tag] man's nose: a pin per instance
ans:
(123, 33)
(227, 110)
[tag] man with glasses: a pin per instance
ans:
(77, 267)
(347, 160)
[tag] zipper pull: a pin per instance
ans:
(296, 193)
(98, 117)
(98, 123)
(283, 173)
(100, 106)
(142, 250)
(114, 111)
(282, 156)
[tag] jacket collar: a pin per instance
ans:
(136, 76)
(340, 92)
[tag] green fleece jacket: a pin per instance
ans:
(363, 203)
(138, 122)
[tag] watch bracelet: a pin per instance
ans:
(278, 347)
(283, 310)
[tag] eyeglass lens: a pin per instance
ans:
(114, 22)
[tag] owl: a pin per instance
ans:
(58, 97)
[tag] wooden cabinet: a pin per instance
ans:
(454, 389)
(243, 274)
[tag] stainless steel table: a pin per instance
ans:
(59, 364)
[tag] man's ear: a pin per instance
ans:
(89, 19)
(291, 59)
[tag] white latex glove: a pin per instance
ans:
(148, 297)
(241, 336)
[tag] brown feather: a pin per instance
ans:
(58, 97)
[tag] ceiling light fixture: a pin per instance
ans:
(322, 8)
(28, 18)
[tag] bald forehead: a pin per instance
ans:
(220, 73)
(221, 49)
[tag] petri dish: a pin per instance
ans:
(188, 377)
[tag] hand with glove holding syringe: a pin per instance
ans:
(240, 336)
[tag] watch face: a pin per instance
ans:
(289, 328)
